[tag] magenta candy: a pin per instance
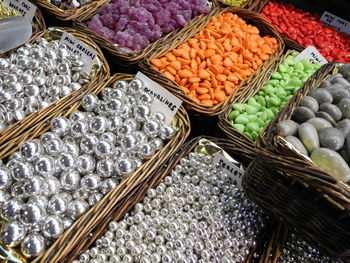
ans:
(134, 24)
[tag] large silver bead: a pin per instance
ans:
(108, 185)
(52, 186)
(125, 166)
(31, 213)
(91, 182)
(34, 186)
(98, 124)
(104, 148)
(135, 86)
(120, 84)
(45, 165)
(30, 150)
(54, 147)
(22, 170)
(86, 164)
(4, 197)
(52, 227)
(114, 106)
(113, 123)
(117, 94)
(142, 112)
(5, 178)
(94, 198)
(90, 102)
(105, 167)
(61, 125)
(88, 142)
(129, 142)
(48, 136)
(152, 128)
(76, 208)
(70, 180)
(11, 209)
(79, 128)
(33, 245)
(67, 161)
(12, 233)
(167, 132)
(58, 204)
(147, 150)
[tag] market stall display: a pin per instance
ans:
(245, 121)
(94, 155)
(304, 191)
(301, 29)
(210, 68)
(39, 77)
(131, 31)
(68, 10)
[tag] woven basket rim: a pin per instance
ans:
(61, 246)
(246, 85)
(81, 13)
(136, 56)
(25, 124)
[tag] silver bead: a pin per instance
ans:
(52, 227)
(12, 233)
(33, 245)
(30, 150)
(91, 182)
(103, 148)
(79, 128)
(88, 142)
(98, 124)
(67, 161)
(5, 178)
(89, 102)
(21, 170)
(54, 147)
(125, 166)
(135, 86)
(86, 164)
(120, 84)
(167, 132)
(45, 165)
(70, 180)
(33, 186)
(48, 136)
(147, 150)
(152, 128)
(31, 213)
(61, 125)
(105, 167)
(108, 185)
(114, 106)
(52, 186)
(94, 198)
(76, 208)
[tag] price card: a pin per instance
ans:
(87, 54)
(163, 100)
(336, 22)
(312, 54)
(24, 7)
(229, 168)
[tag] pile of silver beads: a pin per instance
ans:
(297, 250)
(53, 180)
(35, 76)
(196, 214)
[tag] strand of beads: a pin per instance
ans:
(50, 182)
(196, 214)
(35, 76)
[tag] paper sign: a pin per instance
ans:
(336, 22)
(163, 100)
(24, 7)
(229, 168)
(312, 54)
(87, 54)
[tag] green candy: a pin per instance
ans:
(253, 126)
(242, 119)
(239, 127)
(239, 106)
(248, 135)
(233, 115)
(276, 75)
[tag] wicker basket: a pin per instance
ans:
(126, 204)
(296, 190)
(23, 128)
(70, 241)
(246, 89)
(82, 13)
(225, 125)
(137, 56)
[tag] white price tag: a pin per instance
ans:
(24, 7)
(163, 100)
(312, 54)
(336, 22)
(230, 169)
(87, 54)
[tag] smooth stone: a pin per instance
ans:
(321, 95)
(341, 81)
(344, 126)
(325, 84)
(344, 153)
(319, 123)
(327, 117)
(310, 103)
(287, 128)
(339, 94)
(331, 138)
(344, 106)
(332, 110)
(302, 114)
(309, 137)
(298, 145)
(345, 70)
(331, 162)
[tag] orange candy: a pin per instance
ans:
(210, 66)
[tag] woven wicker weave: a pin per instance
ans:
(296, 190)
(82, 13)
(258, 7)
(246, 89)
(225, 125)
(70, 241)
(137, 56)
(24, 129)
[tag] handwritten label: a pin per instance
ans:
(336, 22)
(87, 54)
(24, 7)
(163, 100)
(312, 54)
(229, 168)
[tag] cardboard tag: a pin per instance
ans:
(336, 22)
(24, 7)
(87, 54)
(163, 100)
(229, 168)
(312, 54)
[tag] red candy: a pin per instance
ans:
(306, 29)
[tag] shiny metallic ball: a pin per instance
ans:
(145, 98)
(142, 112)
(61, 125)
(5, 178)
(159, 116)
(147, 150)
(77, 208)
(30, 150)
(48, 136)
(124, 129)
(12, 233)
(108, 185)
(58, 204)
(109, 136)
(98, 124)
(22, 170)
(129, 142)
(94, 198)
(125, 166)
(79, 128)
(117, 94)
(40, 200)
(67, 161)
(78, 116)
(18, 191)
(45, 165)
(4, 197)
(120, 84)
(33, 245)
(91, 182)
(71, 145)
(31, 213)
(70, 180)
(114, 106)
(126, 112)
(52, 227)
(113, 123)
(90, 102)
(157, 143)
(54, 147)
(167, 132)
(88, 142)
(52, 186)
(104, 148)
(105, 167)
(135, 86)
(34, 186)
(86, 164)
(11, 209)
(152, 128)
